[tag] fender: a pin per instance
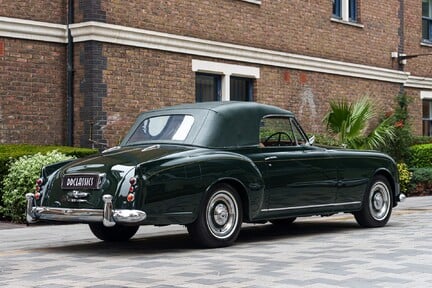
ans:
(175, 188)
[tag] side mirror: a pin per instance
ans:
(311, 140)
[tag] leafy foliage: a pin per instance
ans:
(398, 146)
(349, 123)
(11, 152)
(421, 155)
(17, 150)
(404, 177)
(326, 141)
(415, 140)
(421, 182)
(423, 174)
(20, 180)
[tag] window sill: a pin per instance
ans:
(426, 43)
(354, 24)
(258, 2)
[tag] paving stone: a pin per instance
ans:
(314, 252)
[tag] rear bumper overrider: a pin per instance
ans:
(108, 216)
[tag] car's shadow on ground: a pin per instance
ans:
(269, 232)
(180, 242)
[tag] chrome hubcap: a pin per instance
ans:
(222, 214)
(380, 201)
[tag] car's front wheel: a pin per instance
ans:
(117, 233)
(220, 218)
(377, 204)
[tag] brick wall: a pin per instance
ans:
(89, 10)
(32, 92)
(421, 66)
(415, 111)
(308, 94)
(303, 27)
(140, 80)
(53, 11)
(114, 83)
(132, 80)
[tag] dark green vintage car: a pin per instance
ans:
(212, 166)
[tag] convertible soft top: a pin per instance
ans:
(227, 124)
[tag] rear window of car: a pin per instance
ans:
(163, 128)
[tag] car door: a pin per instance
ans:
(299, 178)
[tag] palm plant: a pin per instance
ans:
(350, 122)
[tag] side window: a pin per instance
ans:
(276, 131)
(299, 134)
(281, 131)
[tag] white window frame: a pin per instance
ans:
(427, 95)
(226, 70)
(345, 10)
(258, 2)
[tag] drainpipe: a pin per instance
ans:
(69, 79)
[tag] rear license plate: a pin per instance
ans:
(81, 181)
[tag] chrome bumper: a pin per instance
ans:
(108, 216)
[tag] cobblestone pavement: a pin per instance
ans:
(315, 252)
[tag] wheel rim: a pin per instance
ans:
(379, 201)
(222, 214)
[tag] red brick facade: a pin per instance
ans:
(114, 80)
(32, 89)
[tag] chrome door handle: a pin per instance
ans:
(270, 158)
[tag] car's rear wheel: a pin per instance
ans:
(377, 204)
(283, 222)
(117, 233)
(220, 218)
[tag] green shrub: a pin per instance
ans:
(21, 180)
(398, 147)
(421, 181)
(326, 140)
(420, 140)
(404, 177)
(11, 152)
(17, 150)
(423, 174)
(421, 155)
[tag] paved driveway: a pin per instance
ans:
(315, 252)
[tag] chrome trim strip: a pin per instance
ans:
(108, 216)
(310, 206)
(129, 216)
(67, 215)
(179, 213)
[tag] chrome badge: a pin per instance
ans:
(77, 196)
